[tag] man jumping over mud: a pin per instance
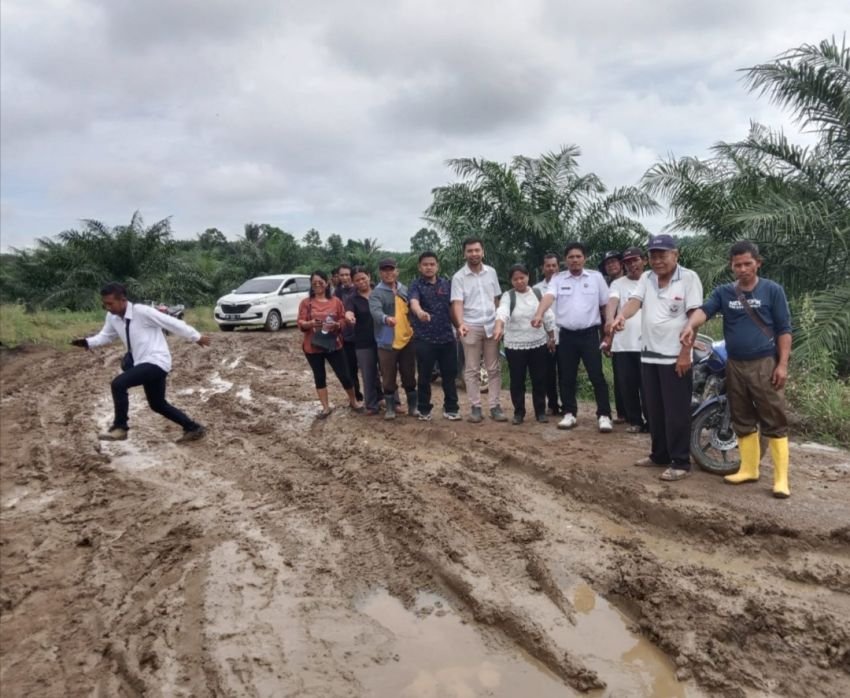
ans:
(147, 361)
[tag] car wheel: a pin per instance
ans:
(227, 328)
(273, 321)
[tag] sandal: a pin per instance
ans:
(359, 409)
(324, 414)
(674, 474)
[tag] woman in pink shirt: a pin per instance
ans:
(324, 314)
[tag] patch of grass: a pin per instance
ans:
(56, 328)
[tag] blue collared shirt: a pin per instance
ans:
(435, 299)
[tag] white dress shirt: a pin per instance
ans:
(543, 286)
(478, 291)
(578, 298)
(629, 338)
(147, 340)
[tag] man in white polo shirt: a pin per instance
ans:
(667, 295)
(551, 266)
(147, 361)
(475, 295)
(625, 347)
(580, 297)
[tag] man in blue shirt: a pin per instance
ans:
(433, 335)
(758, 341)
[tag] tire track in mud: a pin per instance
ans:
(232, 567)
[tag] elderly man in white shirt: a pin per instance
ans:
(475, 296)
(580, 297)
(147, 361)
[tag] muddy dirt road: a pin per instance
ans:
(286, 556)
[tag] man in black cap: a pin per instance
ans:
(666, 295)
(625, 345)
(389, 305)
(611, 267)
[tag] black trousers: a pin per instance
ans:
(445, 356)
(337, 361)
(668, 407)
(351, 361)
(619, 402)
(552, 381)
(627, 370)
(152, 379)
(575, 346)
(520, 363)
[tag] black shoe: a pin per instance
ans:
(542, 418)
(518, 419)
(192, 435)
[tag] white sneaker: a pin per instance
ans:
(568, 422)
(605, 424)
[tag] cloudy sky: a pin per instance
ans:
(339, 115)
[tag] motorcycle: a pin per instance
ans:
(714, 445)
(176, 311)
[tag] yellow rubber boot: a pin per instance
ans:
(750, 456)
(779, 455)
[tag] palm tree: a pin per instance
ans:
(793, 201)
(534, 206)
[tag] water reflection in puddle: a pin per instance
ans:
(628, 663)
(438, 656)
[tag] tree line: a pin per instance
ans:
(794, 201)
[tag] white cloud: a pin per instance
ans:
(340, 115)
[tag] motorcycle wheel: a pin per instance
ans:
(710, 449)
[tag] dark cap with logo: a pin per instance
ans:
(610, 254)
(387, 263)
(662, 242)
(632, 253)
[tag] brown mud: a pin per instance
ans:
(289, 556)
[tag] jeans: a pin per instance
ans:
(520, 363)
(445, 356)
(575, 346)
(152, 378)
(668, 407)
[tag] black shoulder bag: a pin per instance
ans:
(753, 315)
(323, 341)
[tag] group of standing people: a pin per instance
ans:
(647, 320)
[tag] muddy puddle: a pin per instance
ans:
(288, 556)
(437, 654)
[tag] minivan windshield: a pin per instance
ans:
(259, 286)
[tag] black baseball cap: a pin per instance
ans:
(387, 263)
(610, 254)
(631, 253)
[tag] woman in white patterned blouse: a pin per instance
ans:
(526, 347)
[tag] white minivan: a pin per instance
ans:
(270, 301)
